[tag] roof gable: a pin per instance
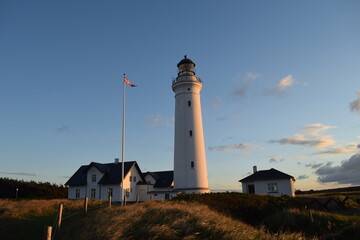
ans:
(262, 175)
(79, 177)
(112, 173)
(163, 179)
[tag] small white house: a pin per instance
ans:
(269, 182)
(98, 181)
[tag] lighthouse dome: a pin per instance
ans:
(185, 61)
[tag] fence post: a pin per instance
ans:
(61, 206)
(110, 198)
(311, 216)
(137, 198)
(86, 201)
(47, 232)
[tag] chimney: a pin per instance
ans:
(255, 169)
(116, 160)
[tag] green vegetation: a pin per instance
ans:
(30, 190)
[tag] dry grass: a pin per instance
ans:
(37, 208)
(165, 220)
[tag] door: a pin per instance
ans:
(251, 188)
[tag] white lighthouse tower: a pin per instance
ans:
(190, 174)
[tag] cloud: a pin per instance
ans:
(158, 120)
(285, 83)
(63, 128)
(302, 177)
(309, 136)
(275, 158)
(234, 116)
(346, 173)
(245, 83)
(351, 148)
(216, 102)
(314, 166)
(355, 105)
(19, 173)
(230, 147)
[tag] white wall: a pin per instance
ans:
(285, 187)
(93, 185)
(189, 148)
(72, 192)
(116, 196)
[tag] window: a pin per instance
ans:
(134, 178)
(192, 164)
(93, 178)
(167, 196)
(190, 133)
(188, 89)
(189, 103)
(110, 192)
(77, 193)
(93, 193)
(272, 187)
(130, 178)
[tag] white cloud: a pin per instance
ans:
(355, 105)
(251, 76)
(285, 83)
(19, 173)
(309, 136)
(346, 173)
(158, 120)
(245, 83)
(63, 128)
(216, 102)
(227, 148)
(350, 148)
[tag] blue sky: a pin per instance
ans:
(281, 86)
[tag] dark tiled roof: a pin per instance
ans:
(112, 173)
(163, 179)
(271, 174)
(79, 177)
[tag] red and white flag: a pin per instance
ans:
(128, 82)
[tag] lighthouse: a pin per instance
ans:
(190, 174)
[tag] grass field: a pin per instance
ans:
(26, 219)
(207, 216)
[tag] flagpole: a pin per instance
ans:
(122, 145)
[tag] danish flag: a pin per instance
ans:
(128, 82)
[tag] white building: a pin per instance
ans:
(268, 182)
(190, 174)
(98, 181)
